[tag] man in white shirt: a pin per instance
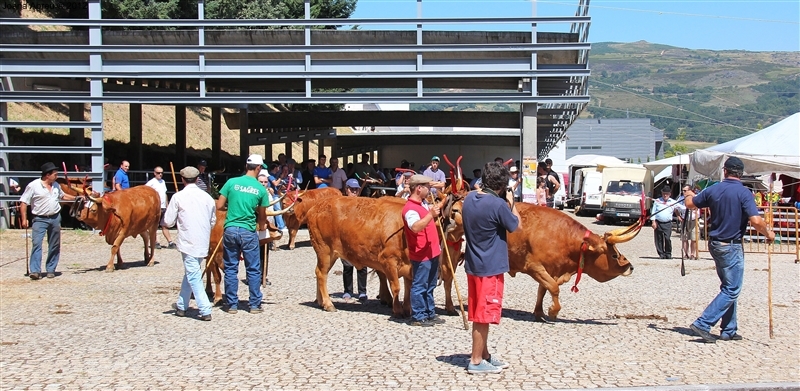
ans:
(43, 196)
(338, 175)
(158, 183)
(195, 213)
(661, 216)
(439, 177)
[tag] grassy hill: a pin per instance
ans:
(702, 95)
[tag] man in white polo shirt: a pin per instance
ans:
(43, 196)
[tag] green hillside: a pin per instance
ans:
(698, 95)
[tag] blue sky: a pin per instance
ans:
(753, 25)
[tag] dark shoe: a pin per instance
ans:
(266, 282)
(362, 298)
(734, 337)
(51, 275)
(231, 310)
(34, 276)
(177, 311)
(420, 323)
(436, 319)
(206, 318)
(256, 310)
(705, 335)
(158, 246)
(172, 246)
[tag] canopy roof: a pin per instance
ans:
(660, 165)
(593, 160)
(775, 149)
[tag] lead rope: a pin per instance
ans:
(584, 247)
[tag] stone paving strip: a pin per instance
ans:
(88, 329)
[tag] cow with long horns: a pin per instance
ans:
(551, 247)
(120, 214)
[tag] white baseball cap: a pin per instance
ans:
(256, 159)
(513, 169)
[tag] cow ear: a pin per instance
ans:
(107, 205)
(597, 246)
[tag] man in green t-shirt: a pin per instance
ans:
(247, 200)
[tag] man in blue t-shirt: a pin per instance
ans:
(732, 207)
(487, 216)
(121, 177)
(322, 174)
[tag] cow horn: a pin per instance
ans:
(77, 189)
(96, 200)
(275, 201)
(279, 212)
(622, 235)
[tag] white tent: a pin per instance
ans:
(773, 149)
(660, 165)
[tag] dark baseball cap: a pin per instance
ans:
(734, 164)
(203, 163)
(666, 189)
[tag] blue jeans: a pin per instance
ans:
(52, 226)
(729, 259)
(423, 282)
(279, 218)
(237, 241)
(193, 283)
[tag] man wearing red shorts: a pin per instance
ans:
(487, 215)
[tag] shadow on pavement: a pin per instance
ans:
(456, 360)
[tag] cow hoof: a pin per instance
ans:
(291, 247)
(151, 264)
(452, 312)
(109, 270)
(330, 308)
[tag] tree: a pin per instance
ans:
(215, 9)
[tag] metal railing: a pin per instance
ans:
(784, 220)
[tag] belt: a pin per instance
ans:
(664, 222)
(729, 241)
(48, 216)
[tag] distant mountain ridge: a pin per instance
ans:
(703, 95)
(700, 95)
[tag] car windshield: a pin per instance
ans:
(624, 188)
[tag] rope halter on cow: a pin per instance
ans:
(584, 247)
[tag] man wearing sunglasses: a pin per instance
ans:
(158, 183)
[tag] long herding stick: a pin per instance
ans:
(266, 264)
(453, 272)
(28, 256)
(174, 179)
(769, 258)
(684, 237)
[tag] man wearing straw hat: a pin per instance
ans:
(732, 207)
(195, 212)
(43, 196)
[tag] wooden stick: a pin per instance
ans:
(208, 262)
(27, 256)
(266, 265)
(769, 258)
(174, 179)
(453, 272)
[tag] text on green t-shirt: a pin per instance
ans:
(244, 194)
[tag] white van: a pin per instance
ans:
(591, 191)
(560, 198)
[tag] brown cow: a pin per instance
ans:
(215, 266)
(123, 213)
(547, 247)
(296, 216)
(366, 232)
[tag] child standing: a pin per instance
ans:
(541, 192)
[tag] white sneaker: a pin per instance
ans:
(346, 296)
(285, 230)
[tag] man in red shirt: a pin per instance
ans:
(423, 250)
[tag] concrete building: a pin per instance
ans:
(631, 139)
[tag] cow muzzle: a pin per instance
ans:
(628, 272)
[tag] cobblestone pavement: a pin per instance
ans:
(90, 329)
